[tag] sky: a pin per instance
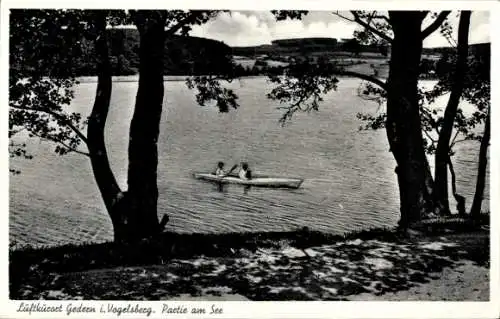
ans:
(248, 28)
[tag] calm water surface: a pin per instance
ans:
(349, 174)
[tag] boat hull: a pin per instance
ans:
(273, 182)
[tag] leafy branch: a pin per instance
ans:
(302, 86)
(58, 116)
(366, 20)
(438, 21)
(209, 88)
(65, 149)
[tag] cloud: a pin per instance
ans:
(299, 29)
(247, 28)
(480, 27)
(264, 16)
(480, 34)
(235, 29)
(479, 30)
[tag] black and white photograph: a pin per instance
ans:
(183, 155)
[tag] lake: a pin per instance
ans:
(349, 184)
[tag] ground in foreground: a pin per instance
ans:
(385, 266)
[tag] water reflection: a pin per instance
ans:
(222, 188)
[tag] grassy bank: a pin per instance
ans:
(258, 266)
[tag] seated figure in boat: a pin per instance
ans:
(245, 172)
(220, 169)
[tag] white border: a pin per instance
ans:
(320, 5)
(278, 309)
(494, 161)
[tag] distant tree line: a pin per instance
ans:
(310, 45)
(478, 56)
(184, 55)
(305, 41)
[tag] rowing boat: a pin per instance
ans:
(260, 181)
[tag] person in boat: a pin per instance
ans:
(245, 172)
(220, 169)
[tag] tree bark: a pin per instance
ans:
(403, 125)
(481, 174)
(103, 174)
(142, 195)
(443, 146)
(459, 198)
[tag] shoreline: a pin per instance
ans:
(179, 78)
(299, 265)
(135, 78)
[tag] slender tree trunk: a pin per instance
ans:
(142, 195)
(103, 174)
(459, 198)
(429, 180)
(481, 174)
(403, 125)
(443, 148)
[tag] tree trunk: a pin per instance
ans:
(481, 173)
(443, 148)
(458, 198)
(403, 125)
(103, 174)
(142, 195)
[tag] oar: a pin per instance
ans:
(232, 169)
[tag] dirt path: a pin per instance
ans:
(465, 282)
(454, 267)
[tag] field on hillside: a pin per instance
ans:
(366, 62)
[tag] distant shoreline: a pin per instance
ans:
(179, 78)
(135, 78)
(169, 78)
(128, 78)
